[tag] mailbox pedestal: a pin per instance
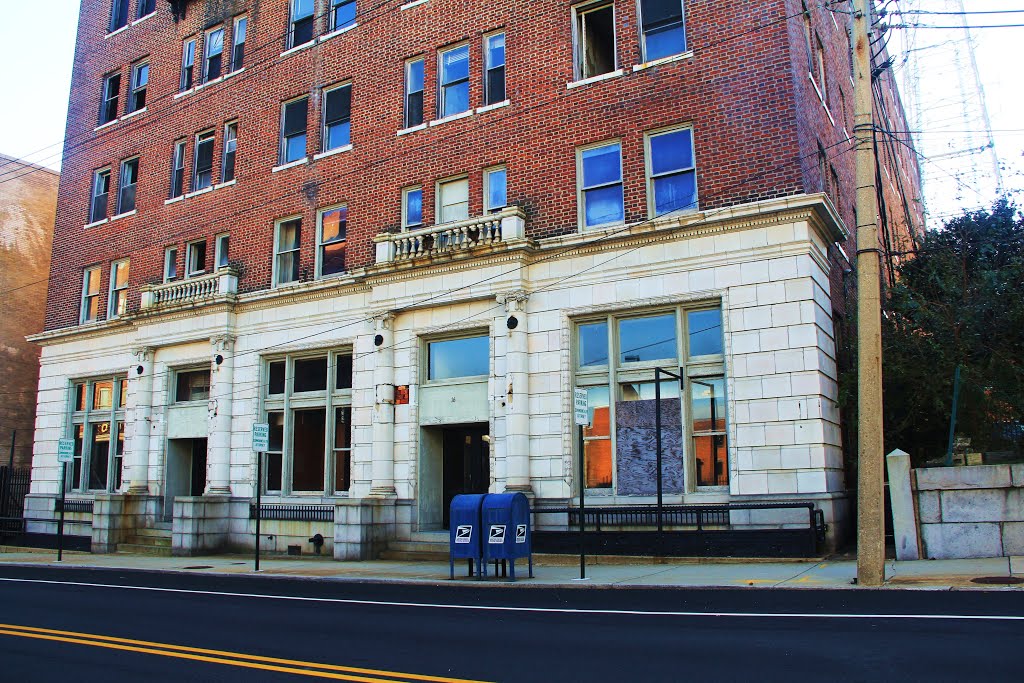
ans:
(464, 539)
(505, 519)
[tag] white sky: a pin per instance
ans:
(37, 75)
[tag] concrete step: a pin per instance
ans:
(154, 541)
(418, 546)
(162, 525)
(418, 556)
(434, 549)
(154, 533)
(136, 549)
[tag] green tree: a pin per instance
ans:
(959, 301)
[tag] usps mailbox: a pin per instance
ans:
(464, 532)
(506, 525)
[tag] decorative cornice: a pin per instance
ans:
(224, 343)
(143, 354)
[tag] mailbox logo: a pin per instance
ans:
(497, 534)
(463, 533)
(520, 533)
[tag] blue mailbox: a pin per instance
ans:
(506, 525)
(465, 531)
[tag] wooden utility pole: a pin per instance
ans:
(870, 509)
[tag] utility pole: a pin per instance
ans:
(870, 510)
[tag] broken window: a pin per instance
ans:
(453, 95)
(494, 68)
(100, 192)
(672, 176)
(192, 385)
(333, 224)
(595, 39)
(293, 130)
(302, 18)
(664, 33)
(195, 258)
(227, 172)
(117, 302)
(343, 14)
(188, 60)
(454, 358)
(118, 14)
(453, 200)
(413, 92)
(91, 295)
(238, 43)
(111, 93)
(178, 169)
(601, 185)
(214, 57)
(140, 82)
(286, 251)
(412, 207)
(337, 117)
(126, 185)
(202, 176)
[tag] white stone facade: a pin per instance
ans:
(766, 264)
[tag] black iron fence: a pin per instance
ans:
(293, 513)
(13, 489)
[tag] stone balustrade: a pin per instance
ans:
(219, 284)
(503, 227)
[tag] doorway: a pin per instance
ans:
(186, 471)
(456, 459)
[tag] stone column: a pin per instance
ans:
(382, 468)
(140, 402)
(517, 395)
(222, 372)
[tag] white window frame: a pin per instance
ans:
(439, 206)
(200, 138)
(106, 97)
(275, 269)
(643, 36)
(235, 43)
(121, 184)
(581, 189)
(114, 292)
(283, 141)
(207, 77)
(170, 259)
(332, 6)
(89, 418)
(319, 239)
(230, 147)
(578, 36)
(323, 116)
(221, 251)
(488, 100)
(291, 24)
(441, 92)
(134, 87)
(188, 65)
(178, 166)
(487, 188)
(649, 174)
(405, 208)
(190, 255)
(97, 175)
(426, 341)
(87, 296)
(406, 121)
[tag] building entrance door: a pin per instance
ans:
(466, 455)
(185, 473)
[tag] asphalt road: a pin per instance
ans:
(106, 625)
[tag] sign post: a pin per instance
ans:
(581, 415)
(260, 444)
(65, 454)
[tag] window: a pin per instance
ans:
(495, 190)
(310, 421)
(192, 385)
(202, 175)
(301, 30)
(615, 360)
(238, 43)
(286, 251)
(170, 263)
(145, 8)
(671, 173)
(452, 200)
(455, 358)
(664, 33)
(178, 169)
(195, 258)
(117, 302)
(100, 192)
(494, 68)
(412, 207)
(214, 57)
(118, 14)
(227, 171)
(127, 182)
(220, 251)
(188, 60)
(413, 92)
(595, 39)
(819, 68)
(600, 173)
(293, 130)
(91, 295)
(111, 93)
(97, 419)
(454, 79)
(331, 238)
(343, 14)
(140, 81)
(337, 115)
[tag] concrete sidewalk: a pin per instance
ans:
(564, 571)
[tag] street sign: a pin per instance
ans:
(580, 407)
(66, 450)
(260, 437)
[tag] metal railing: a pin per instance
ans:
(698, 516)
(14, 485)
(293, 513)
(451, 238)
(73, 505)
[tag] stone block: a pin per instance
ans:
(982, 505)
(1013, 538)
(812, 481)
(904, 520)
(929, 507)
(1017, 474)
(771, 293)
(956, 541)
(974, 477)
(782, 482)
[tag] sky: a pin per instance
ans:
(34, 129)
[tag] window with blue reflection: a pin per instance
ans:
(343, 13)
(455, 81)
(705, 331)
(451, 358)
(413, 207)
(497, 194)
(673, 173)
(602, 185)
(663, 29)
(593, 344)
(647, 339)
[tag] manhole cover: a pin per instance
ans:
(998, 580)
(200, 566)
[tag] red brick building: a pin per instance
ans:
(352, 180)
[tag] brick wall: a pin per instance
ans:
(28, 199)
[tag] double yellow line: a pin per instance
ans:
(287, 666)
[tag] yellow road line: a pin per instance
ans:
(223, 656)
